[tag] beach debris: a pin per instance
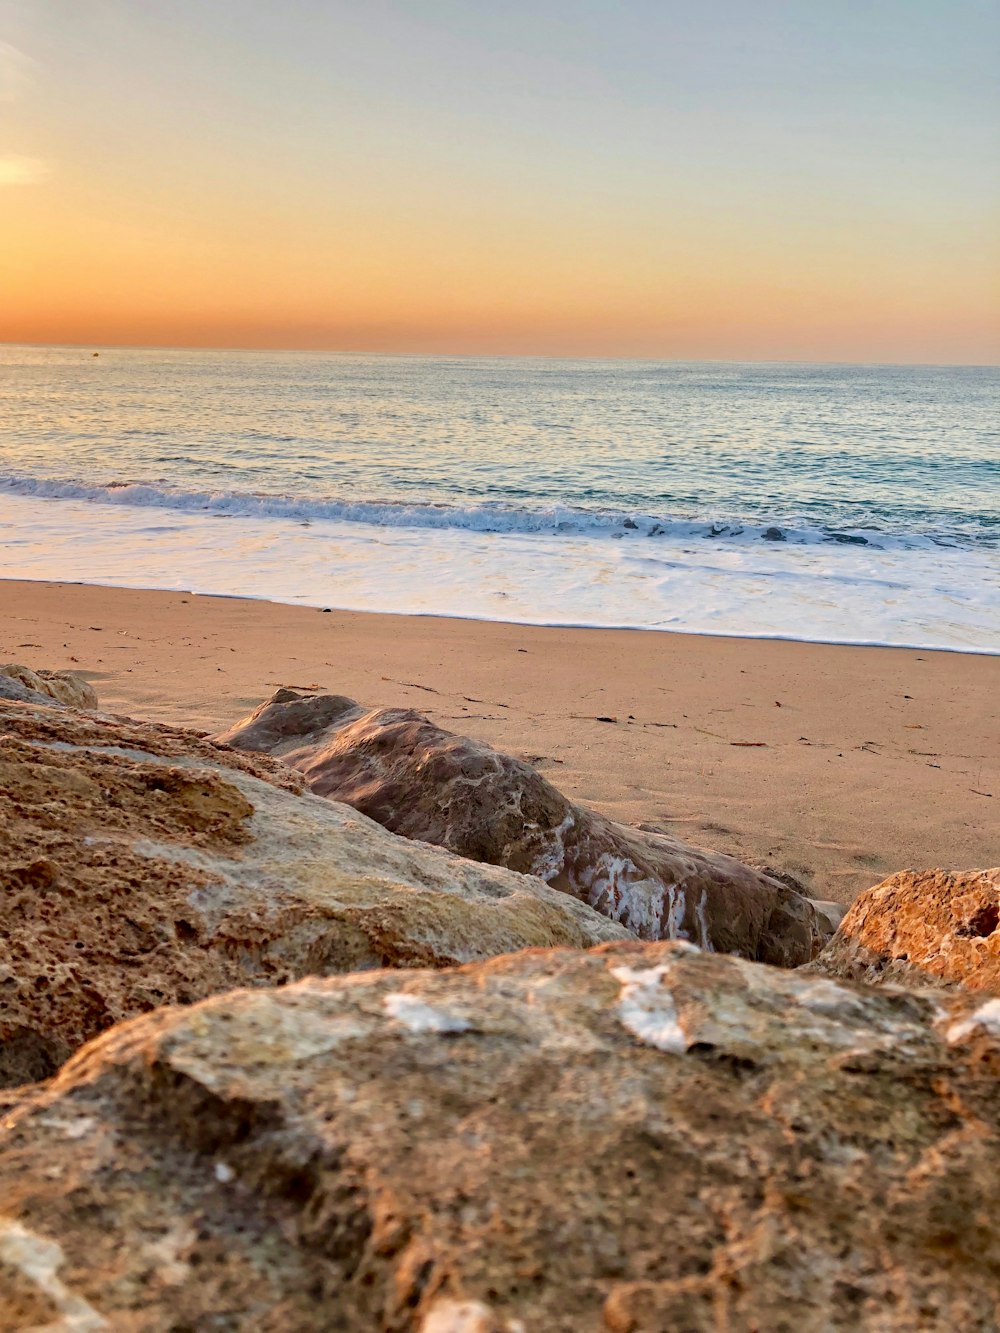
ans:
(413, 685)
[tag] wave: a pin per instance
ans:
(487, 517)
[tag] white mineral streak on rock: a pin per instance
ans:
(466, 1317)
(706, 940)
(549, 864)
(986, 1016)
(675, 914)
(38, 1260)
(826, 997)
(418, 1016)
(616, 887)
(646, 1008)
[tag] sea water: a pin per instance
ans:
(836, 503)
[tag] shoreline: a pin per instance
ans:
(837, 764)
(940, 599)
(734, 636)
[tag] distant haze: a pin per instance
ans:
(727, 179)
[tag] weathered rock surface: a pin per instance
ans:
(23, 685)
(423, 782)
(921, 928)
(140, 866)
(638, 1139)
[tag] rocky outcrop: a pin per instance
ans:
(142, 866)
(21, 684)
(922, 928)
(635, 1139)
(423, 782)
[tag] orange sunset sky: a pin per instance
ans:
(730, 179)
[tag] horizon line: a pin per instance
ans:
(96, 347)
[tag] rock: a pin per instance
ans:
(423, 782)
(142, 866)
(921, 928)
(64, 687)
(13, 688)
(641, 1138)
(832, 913)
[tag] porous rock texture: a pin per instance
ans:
(641, 1138)
(423, 782)
(22, 684)
(921, 928)
(141, 866)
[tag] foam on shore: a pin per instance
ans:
(927, 596)
(491, 517)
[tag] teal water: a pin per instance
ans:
(696, 470)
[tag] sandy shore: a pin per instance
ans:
(838, 765)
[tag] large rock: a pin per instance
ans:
(423, 782)
(21, 684)
(141, 866)
(922, 928)
(639, 1139)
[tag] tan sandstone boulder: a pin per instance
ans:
(921, 928)
(21, 684)
(643, 1138)
(141, 866)
(423, 782)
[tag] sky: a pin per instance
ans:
(726, 179)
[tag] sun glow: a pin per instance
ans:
(310, 184)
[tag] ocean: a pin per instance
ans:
(835, 503)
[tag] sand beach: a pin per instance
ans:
(837, 765)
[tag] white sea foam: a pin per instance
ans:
(547, 520)
(828, 593)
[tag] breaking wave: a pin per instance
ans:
(487, 517)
